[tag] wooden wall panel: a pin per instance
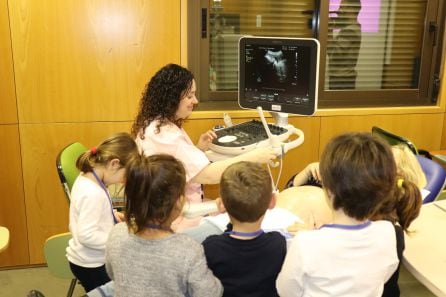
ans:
(424, 130)
(12, 201)
(47, 207)
(296, 159)
(7, 89)
(82, 60)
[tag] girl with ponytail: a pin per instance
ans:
(91, 211)
(403, 206)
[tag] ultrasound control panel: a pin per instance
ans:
(245, 134)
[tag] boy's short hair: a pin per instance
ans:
(359, 170)
(246, 191)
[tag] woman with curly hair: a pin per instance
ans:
(168, 100)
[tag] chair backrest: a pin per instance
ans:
(66, 165)
(394, 139)
(435, 178)
(4, 238)
(55, 255)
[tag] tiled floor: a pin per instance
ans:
(18, 282)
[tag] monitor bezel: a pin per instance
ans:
(311, 43)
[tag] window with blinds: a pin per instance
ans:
(405, 37)
(373, 52)
(374, 44)
(229, 20)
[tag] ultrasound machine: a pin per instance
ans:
(279, 75)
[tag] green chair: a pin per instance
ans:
(4, 238)
(66, 165)
(55, 255)
(435, 174)
(55, 246)
(394, 139)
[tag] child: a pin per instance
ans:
(244, 258)
(401, 210)
(408, 168)
(144, 256)
(353, 256)
(91, 210)
(405, 206)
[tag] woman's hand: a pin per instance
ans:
(206, 139)
(260, 155)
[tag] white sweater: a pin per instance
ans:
(334, 261)
(91, 220)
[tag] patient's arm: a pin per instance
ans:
(193, 210)
(309, 172)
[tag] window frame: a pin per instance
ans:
(424, 95)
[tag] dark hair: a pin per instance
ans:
(246, 191)
(403, 206)
(119, 146)
(161, 98)
(153, 186)
(359, 171)
(350, 6)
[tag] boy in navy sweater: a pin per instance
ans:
(244, 258)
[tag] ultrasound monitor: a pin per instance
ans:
(279, 74)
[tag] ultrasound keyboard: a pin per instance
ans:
(245, 136)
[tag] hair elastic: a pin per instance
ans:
(93, 151)
(400, 183)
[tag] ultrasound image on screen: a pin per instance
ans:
(279, 74)
(279, 71)
(277, 61)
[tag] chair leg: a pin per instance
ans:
(71, 289)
